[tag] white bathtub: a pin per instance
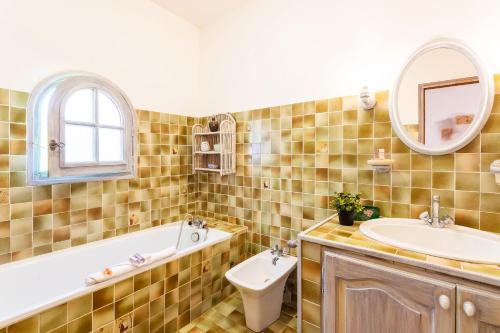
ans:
(39, 283)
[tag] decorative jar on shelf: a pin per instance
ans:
(213, 125)
(205, 146)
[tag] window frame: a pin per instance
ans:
(58, 128)
(58, 171)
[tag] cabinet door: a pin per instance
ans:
(363, 297)
(477, 311)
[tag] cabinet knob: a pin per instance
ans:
(469, 309)
(444, 301)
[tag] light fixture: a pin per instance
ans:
(367, 99)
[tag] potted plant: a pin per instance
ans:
(347, 205)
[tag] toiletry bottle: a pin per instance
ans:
(381, 154)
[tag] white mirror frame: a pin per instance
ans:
(487, 95)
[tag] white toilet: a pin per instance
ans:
(261, 285)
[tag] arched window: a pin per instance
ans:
(81, 128)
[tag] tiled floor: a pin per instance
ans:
(228, 316)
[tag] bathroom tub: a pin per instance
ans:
(33, 285)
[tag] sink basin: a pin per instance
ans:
(453, 242)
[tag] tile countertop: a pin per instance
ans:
(330, 233)
(225, 226)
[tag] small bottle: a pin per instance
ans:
(381, 154)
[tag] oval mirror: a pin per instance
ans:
(441, 99)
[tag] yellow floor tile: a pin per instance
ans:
(228, 316)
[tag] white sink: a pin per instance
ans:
(453, 242)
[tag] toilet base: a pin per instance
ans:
(261, 310)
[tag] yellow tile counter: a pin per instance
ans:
(330, 233)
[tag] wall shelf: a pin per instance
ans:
(381, 165)
(210, 152)
(209, 133)
(225, 157)
(208, 170)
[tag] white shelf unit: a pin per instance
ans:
(225, 158)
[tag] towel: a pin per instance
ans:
(109, 273)
(125, 267)
(156, 256)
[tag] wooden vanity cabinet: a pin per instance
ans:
(478, 311)
(364, 297)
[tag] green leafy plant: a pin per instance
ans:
(346, 202)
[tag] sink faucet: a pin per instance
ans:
(277, 252)
(198, 223)
(434, 220)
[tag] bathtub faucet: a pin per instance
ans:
(198, 223)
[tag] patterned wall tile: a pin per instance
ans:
(290, 161)
(292, 158)
(311, 287)
(41, 219)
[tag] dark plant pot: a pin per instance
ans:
(346, 218)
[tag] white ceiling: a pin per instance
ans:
(200, 12)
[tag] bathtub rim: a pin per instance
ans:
(35, 309)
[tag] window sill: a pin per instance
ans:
(80, 179)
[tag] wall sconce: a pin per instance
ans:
(367, 99)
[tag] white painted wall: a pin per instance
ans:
(274, 52)
(268, 52)
(150, 53)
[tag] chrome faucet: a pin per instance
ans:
(277, 252)
(198, 222)
(434, 220)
